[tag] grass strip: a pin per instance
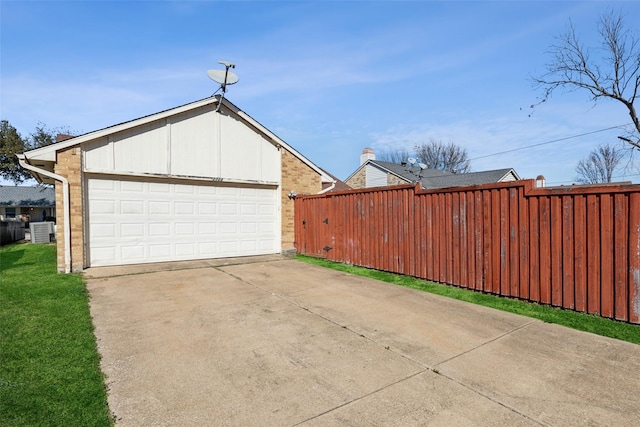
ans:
(49, 364)
(572, 319)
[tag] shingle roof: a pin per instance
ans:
(410, 173)
(27, 196)
(462, 179)
(432, 178)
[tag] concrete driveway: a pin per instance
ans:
(276, 342)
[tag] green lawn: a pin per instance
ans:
(580, 321)
(49, 365)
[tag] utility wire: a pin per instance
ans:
(613, 177)
(548, 142)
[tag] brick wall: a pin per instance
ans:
(69, 165)
(394, 180)
(298, 177)
(358, 180)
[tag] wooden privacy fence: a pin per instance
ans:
(574, 247)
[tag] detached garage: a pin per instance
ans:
(186, 183)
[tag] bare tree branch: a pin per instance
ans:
(599, 166)
(447, 157)
(614, 73)
(394, 156)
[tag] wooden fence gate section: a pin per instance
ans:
(574, 247)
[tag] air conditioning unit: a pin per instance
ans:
(41, 232)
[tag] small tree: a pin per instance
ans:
(11, 143)
(446, 157)
(599, 166)
(611, 71)
(42, 136)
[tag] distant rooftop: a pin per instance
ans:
(433, 178)
(39, 196)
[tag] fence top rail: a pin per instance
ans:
(613, 188)
(528, 185)
(360, 191)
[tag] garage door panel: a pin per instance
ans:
(209, 250)
(207, 208)
(132, 230)
(266, 244)
(135, 221)
(207, 228)
(159, 208)
(132, 252)
(159, 251)
(131, 186)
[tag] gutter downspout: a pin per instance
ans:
(66, 207)
(329, 188)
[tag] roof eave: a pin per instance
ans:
(48, 153)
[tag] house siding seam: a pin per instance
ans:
(69, 165)
(299, 177)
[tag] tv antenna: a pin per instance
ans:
(422, 168)
(411, 161)
(224, 78)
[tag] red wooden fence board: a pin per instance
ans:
(487, 265)
(545, 250)
(556, 251)
(504, 288)
(593, 254)
(568, 253)
(621, 256)
(580, 253)
(524, 261)
(606, 259)
(534, 251)
(634, 257)
(497, 242)
(479, 244)
(514, 243)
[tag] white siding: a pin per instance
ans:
(142, 149)
(508, 177)
(375, 177)
(197, 143)
(99, 154)
(194, 144)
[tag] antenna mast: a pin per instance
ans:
(225, 78)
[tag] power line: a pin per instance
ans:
(613, 177)
(548, 142)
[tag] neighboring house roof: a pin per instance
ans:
(45, 157)
(433, 178)
(470, 178)
(15, 196)
(409, 173)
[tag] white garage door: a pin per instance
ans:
(133, 222)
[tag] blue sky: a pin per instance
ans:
(330, 78)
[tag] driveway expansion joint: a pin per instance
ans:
(342, 405)
(492, 340)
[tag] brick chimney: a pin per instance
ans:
(63, 137)
(367, 154)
